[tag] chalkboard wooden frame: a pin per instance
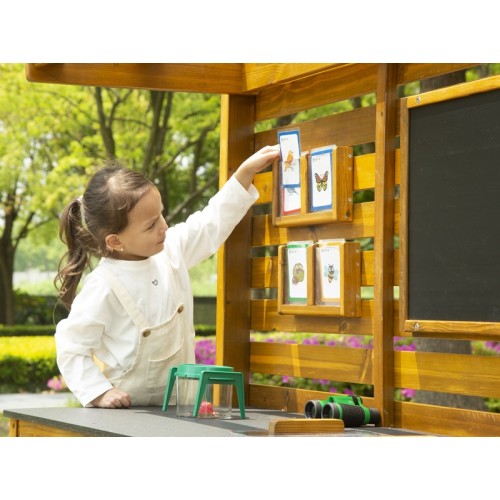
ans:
(415, 318)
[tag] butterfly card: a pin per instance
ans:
(321, 179)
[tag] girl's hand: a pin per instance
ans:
(114, 398)
(256, 163)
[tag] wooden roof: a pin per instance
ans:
(220, 78)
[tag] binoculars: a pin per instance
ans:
(349, 409)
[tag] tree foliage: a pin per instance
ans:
(53, 137)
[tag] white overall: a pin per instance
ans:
(160, 346)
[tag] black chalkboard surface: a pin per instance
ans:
(454, 209)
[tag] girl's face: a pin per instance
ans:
(144, 235)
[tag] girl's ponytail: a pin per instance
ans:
(74, 233)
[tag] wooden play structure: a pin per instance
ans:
(249, 276)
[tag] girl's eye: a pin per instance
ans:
(152, 226)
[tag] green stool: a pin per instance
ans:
(205, 374)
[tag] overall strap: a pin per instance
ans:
(124, 297)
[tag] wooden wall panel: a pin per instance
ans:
(312, 361)
(444, 372)
(326, 87)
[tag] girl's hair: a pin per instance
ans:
(86, 221)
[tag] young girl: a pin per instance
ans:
(133, 318)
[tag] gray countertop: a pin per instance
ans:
(153, 422)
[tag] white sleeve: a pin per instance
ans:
(77, 337)
(205, 231)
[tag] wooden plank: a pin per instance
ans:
(410, 72)
(445, 372)
(265, 270)
(446, 421)
(472, 330)
(344, 129)
(383, 318)
(24, 428)
(454, 92)
(362, 226)
(257, 76)
(316, 90)
(288, 398)
(340, 364)
(233, 264)
(219, 78)
(363, 176)
(264, 185)
(294, 426)
(265, 317)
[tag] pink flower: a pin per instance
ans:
(57, 383)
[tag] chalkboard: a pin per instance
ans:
(453, 213)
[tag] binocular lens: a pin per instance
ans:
(313, 409)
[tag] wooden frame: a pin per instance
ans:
(341, 185)
(350, 279)
(417, 325)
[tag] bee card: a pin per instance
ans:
(321, 178)
(289, 142)
(329, 272)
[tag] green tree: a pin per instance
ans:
(52, 137)
(42, 141)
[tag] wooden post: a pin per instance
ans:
(383, 318)
(233, 265)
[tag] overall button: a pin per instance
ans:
(146, 333)
(180, 308)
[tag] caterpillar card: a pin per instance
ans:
(321, 179)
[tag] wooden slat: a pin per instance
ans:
(445, 372)
(344, 129)
(296, 426)
(410, 72)
(362, 226)
(339, 364)
(454, 92)
(264, 184)
(24, 428)
(257, 76)
(265, 317)
(287, 398)
(335, 85)
(364, 177)
(265, 270)
(446, 421)
(219, 78)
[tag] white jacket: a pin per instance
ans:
(98, 325)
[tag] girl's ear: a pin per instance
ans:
(113, 242)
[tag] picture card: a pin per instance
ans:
(296, 255)
(329, 267)
(289, 142)
(321, 178)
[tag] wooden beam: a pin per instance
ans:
(261, 75)
(219, 78)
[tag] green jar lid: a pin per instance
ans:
(195, 370)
